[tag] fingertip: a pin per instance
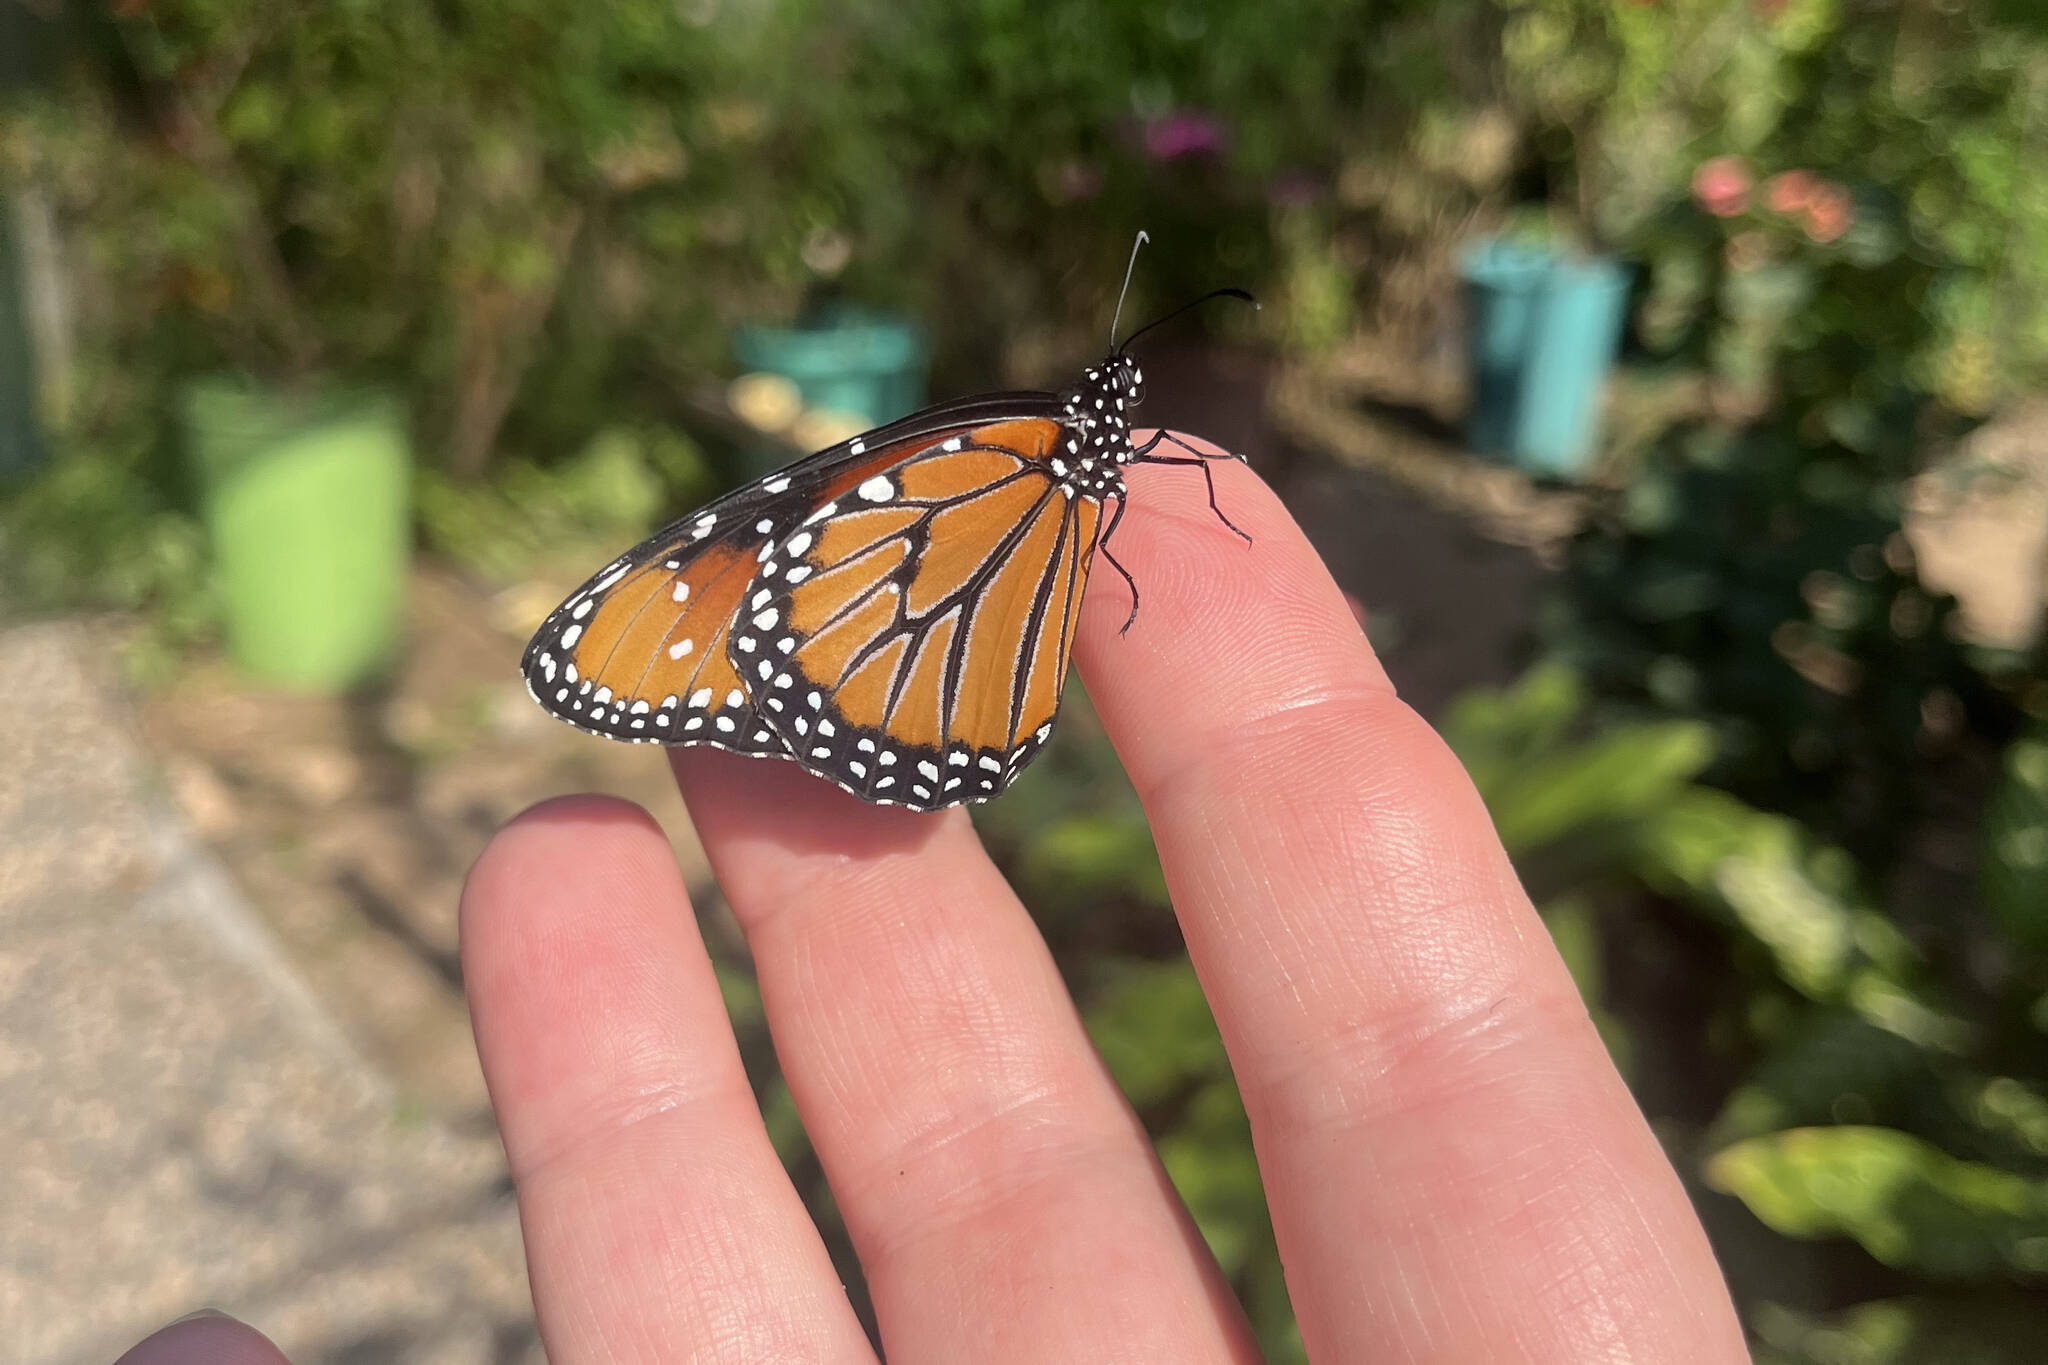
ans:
(550, 843)
(208, 1337)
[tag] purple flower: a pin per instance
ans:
(1185, 133)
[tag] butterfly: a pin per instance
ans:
(894, 613)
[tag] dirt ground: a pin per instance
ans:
(350, 822)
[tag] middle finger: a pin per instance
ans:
(1003, 1199)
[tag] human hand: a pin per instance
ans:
(1455, 1171)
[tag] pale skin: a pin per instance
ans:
(1455, 1170)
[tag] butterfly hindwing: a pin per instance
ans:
(914, 630)
(639, 652)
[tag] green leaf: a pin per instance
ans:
(2015, 867)
(1983, 1330)
(1494, 730)
(1153, 1027)
(1801, 901)
(1908, 1203)
(1834, 1067)
(1614, 778)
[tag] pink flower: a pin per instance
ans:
(1790, 192)
(1721, 185)
(1829, 213)
(1184, 133)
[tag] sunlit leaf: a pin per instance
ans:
(1617, 776)
(1906, 1202)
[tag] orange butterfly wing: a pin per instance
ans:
(641, 652)
(914, 632)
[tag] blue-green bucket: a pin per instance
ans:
(1544, 332)
(852, 361)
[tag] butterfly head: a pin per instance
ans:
(1128, 379)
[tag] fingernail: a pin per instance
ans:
(198, 1314)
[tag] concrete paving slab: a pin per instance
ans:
(182, 1124)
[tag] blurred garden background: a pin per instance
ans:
(450, 300)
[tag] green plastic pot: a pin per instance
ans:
(305, 499)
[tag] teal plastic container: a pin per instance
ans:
(1544, 333)
(306, 501)
(1504, 286)
(855, 361)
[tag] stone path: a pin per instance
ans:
(182, 1123)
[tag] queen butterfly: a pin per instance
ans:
(894, 613)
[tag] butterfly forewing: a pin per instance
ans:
(914, 630)
(642, 651)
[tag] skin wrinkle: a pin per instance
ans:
(950, 1006)
(1501, 1189)
(702, 1251)
(1315, 941)
(662, 1101)
(1367, 1074)
(1267, 727)
(1034, 1173)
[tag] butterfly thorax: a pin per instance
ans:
(1097, 430)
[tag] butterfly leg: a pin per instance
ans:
(1201, 462)
(1103, 545)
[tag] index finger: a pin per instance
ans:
(1455, 1170)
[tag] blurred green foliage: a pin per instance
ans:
(1909, 1203)
(566, 516)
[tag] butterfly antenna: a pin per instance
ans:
(1125, 292)
(1185, 308)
